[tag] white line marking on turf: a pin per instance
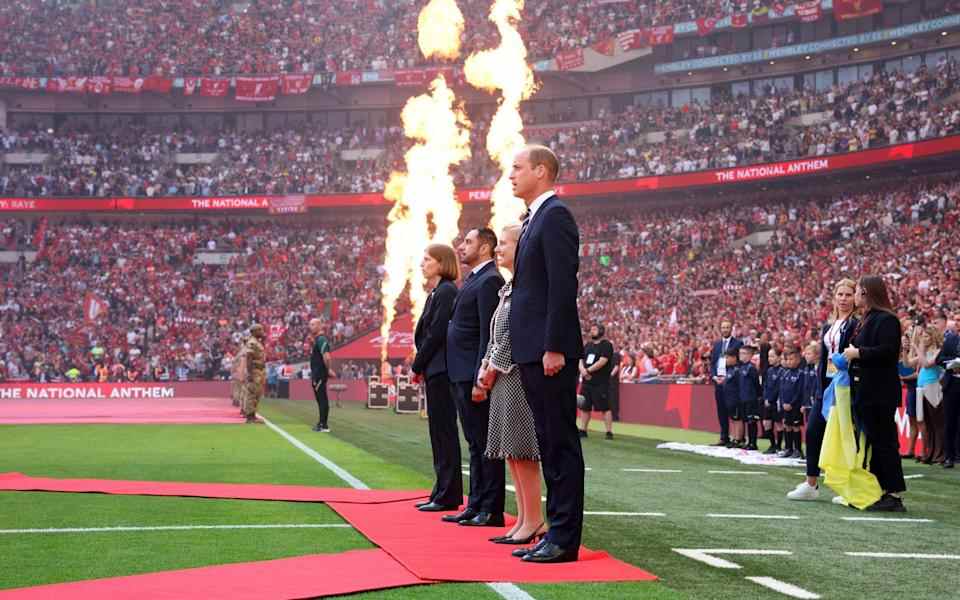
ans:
(337, 469)
(652, 471)
(913, 476)
(781, 517)
(889, 519)
(895, 555)
(501, 588)
(788, 589)
(510, 591)
(179, 528)
(737, 472)
(603, 513)
(705, 555)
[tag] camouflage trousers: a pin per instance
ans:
(252, 394)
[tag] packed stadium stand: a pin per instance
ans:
(164, 296)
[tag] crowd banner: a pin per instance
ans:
(783, 170)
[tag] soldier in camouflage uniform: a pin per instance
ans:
(255, 357)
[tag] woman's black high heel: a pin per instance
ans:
(536, 535)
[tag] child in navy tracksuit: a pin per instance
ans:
(811, 379)
(750, 392)
(772, 418)
(790, 401)
(731, 398)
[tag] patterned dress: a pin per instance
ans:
(511, 432)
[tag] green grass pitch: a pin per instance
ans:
(385, 450)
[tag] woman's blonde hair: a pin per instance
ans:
(845, 282)
(447, 257)
(936, 336)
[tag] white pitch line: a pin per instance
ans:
(337, 469)
(918, 476)
(787, 589)
(912, 556)
(501, 588)
(603, 513)
(706, 555)
(779, 517)
(737, 472)
(652, 471)
(178, 528)
(888, 519)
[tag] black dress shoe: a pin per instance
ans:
(948, 464)
(521, 552)
(424, 503)
(887, 503)
(434, 507)
(483, 520)
(551, 553)
(465, 515)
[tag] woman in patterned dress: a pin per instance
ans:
(511, 435)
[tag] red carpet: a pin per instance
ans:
(283, 579)
(119, 411)
(233, 491)
(441, 551)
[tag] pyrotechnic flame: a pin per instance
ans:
(426, 209)
(504, 69)
(440, 25)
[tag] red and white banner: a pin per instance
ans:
(286, 205)
(67, 84)
(571, 59)
(190, 85)
(810, 11)
(605, 47)
(855, 9)
(94, 307)
(781, 170)
(214, 87)
(257, 89)
(128, 85)
(409, 77)
(23, 83)
(739, 20)
(100, 85)
(158, 84)
(294, 85)
(660, 36)
(349, 78)
(706, 26)
(631, 40)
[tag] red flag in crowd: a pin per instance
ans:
(630, 40)
(128, 85)
(571, 59)
(810, 11)
(705, 26)
(855, 9)
(100, 85)
(93, 307)
(739, 20)
(159, 84)
(660, 36)
(257, 89)
(67, 84)
(297, 84)
(605, 47)
(190, 85)
(214, 87)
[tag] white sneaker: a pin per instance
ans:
(804, 491)
(840, 500)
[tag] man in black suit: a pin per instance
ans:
(320, 372)
(949, 353)
(548, 345)
(718, 370)
(468, 334)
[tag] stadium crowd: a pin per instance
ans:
(109, 37)
(134, 299)
(886, 108)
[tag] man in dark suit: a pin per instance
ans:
(548, 345)
(320, 372)
(718, 372)
(950, 352)
(468, 334)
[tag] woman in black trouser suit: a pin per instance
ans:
(834, 338)
(440, 269)
(873, 356)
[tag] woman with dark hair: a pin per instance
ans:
(834, 338)
(440, 270)
(873, 355)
